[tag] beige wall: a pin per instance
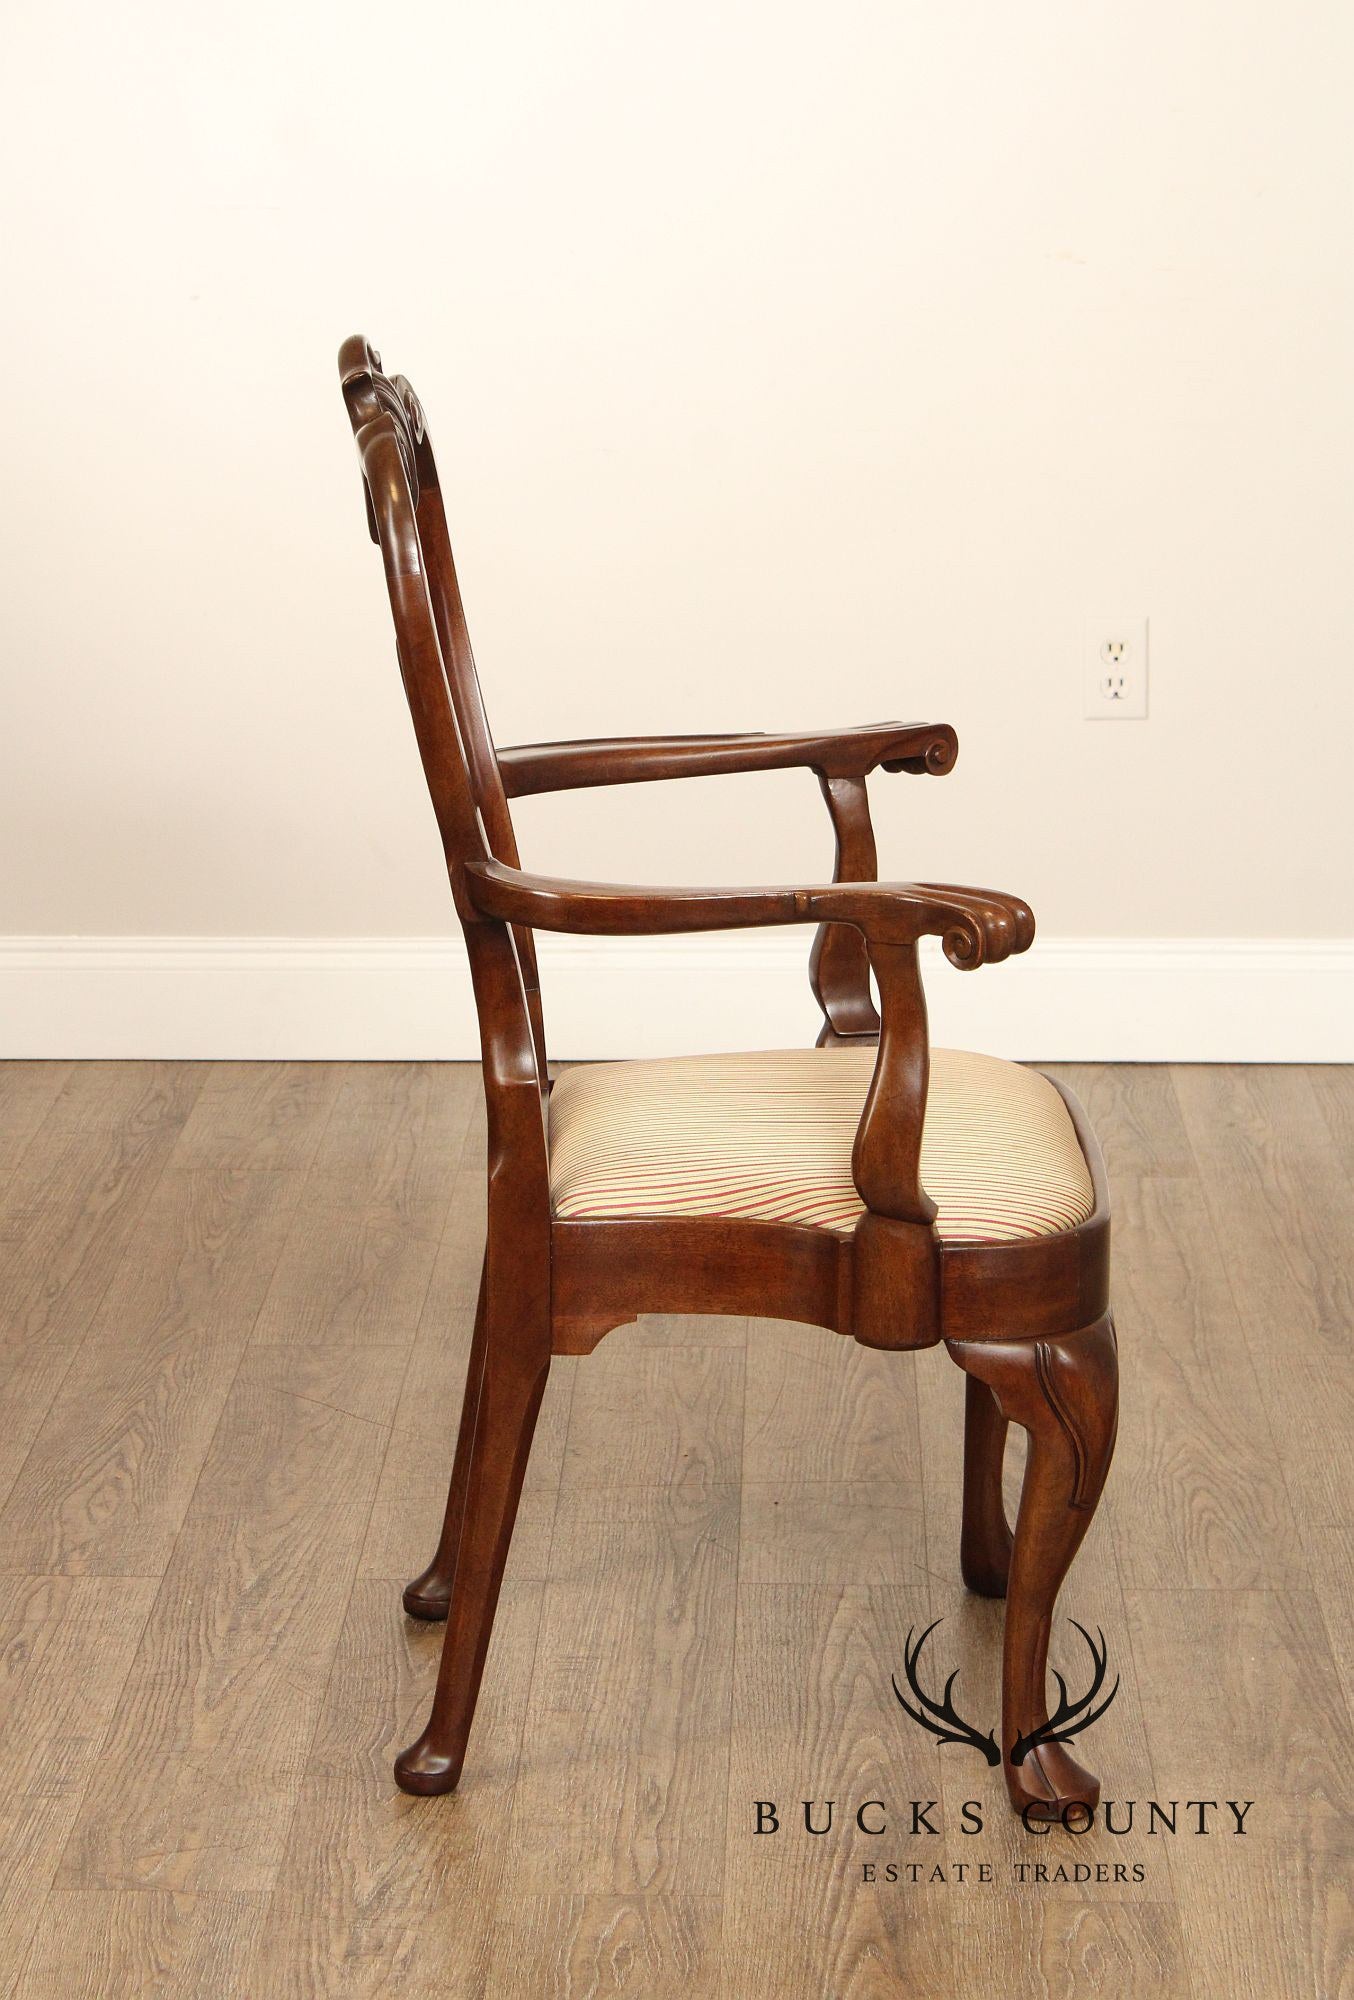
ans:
(789, 365)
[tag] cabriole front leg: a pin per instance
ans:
(1064, 1394)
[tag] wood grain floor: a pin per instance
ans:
(233, 1294)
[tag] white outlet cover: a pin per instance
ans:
(1114, 669)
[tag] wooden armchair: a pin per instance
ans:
(824, 1185)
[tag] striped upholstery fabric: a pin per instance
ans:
(769, 1135)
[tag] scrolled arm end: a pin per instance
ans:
(936, 757)
(981, 926)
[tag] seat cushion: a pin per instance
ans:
(768, 1136)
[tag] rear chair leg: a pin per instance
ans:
(1064, 1393)
(429, 1594)
(985, 1539)
(497, 1424)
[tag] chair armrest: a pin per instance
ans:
(895, 1280)
(628, 760)
(975, 925)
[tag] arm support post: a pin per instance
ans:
(896, 1260)
(839, 964)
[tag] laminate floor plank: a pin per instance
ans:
(607, 1948)
(149, 1944)
(810, 1723)
(125, 1096)
(1330, 1566)
(238, 1306)
(1042, 1948)
(67, 1218)
(68, 1215)
(1239, 1686)
(197, 1782)
(860, 1531)
(455, 1282)
(1268, 1913)
(1333, 1090)
(1197, 1485)
(349, 1273)
(830, 1457)
(28, 1090)
(1280, 1203)
(1279, 1198)
(66, 1645)
(1241, 1701)
(1134, 1113)
(679, 1330)
(406, 1516)
(669, 1417)
(637, 1628)
(260, 1114)
(397, 1130)
(379, 1893)
(30, 1381)
(820, 1407)
(379, 1198)
(110, 1474)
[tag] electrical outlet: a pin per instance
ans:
(1114, 670)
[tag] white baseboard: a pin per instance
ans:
(373, 999)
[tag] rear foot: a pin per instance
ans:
(427, 1597)
(424, 1771)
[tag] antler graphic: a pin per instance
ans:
(957, 1730)
(1070, 1717)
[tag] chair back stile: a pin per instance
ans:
(463, 677)
(408, 522)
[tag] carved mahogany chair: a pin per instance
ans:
(828, 1185)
